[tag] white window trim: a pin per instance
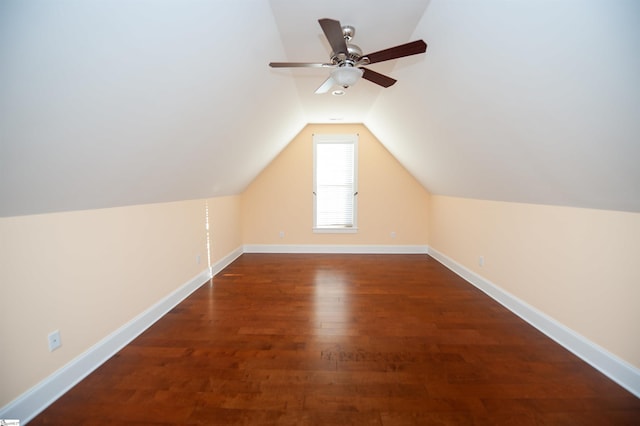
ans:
(334, 230)
(337, 138)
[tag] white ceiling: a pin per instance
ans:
(127, 102)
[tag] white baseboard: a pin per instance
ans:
(618, 370)
(226, 261)
(339, 249)
(32, 402)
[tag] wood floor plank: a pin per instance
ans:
(342, 339)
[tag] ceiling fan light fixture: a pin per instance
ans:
(346, 76)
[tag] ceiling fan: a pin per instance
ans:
(348, 61)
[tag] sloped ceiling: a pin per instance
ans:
(127, 102)
(526, 101)
(110, 103)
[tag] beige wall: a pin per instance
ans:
(87, 273)
(579, 266)
(225, 233)
(389, 198)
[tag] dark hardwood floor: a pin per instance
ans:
(338, 340)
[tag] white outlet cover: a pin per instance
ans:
(54, 340)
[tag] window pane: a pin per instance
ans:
(335, 184)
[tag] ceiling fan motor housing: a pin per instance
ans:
(353, 53)
(350, 58)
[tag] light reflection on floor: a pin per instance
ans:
(331, 302)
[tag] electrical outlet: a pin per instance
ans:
(281, 234)
(393, 234)
(198, 259)
(54, 340)
(481, 261)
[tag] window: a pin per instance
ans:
(335, 189)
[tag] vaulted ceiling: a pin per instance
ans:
(124, 102)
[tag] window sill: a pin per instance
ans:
(335, 230)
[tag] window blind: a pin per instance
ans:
(335, 184)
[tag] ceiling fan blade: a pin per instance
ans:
(326, 86)
(299, 65)
(400, 51)
(377, 78)
(333, 31)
